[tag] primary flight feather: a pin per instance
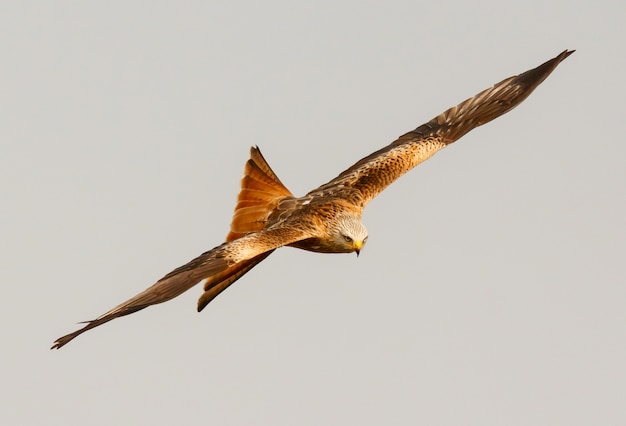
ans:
(328, 219)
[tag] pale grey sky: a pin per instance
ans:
(492, 288)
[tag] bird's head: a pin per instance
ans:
(350, 235)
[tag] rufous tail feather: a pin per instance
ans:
(261, 190)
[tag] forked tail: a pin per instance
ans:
(261, 190)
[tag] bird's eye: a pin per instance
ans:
(348, 239)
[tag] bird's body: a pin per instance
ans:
(328, 219)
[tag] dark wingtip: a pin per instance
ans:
(564, 54)
(62, 341)
(537, 75)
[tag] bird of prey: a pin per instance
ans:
(327, 219)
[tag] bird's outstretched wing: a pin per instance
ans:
(369, 176)
(232, 259)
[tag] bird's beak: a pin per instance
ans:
(358, 245)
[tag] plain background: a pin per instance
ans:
(492, 288)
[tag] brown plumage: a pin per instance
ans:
(328, 219)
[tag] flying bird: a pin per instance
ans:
(327, 219)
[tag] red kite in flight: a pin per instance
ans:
(327, 219)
